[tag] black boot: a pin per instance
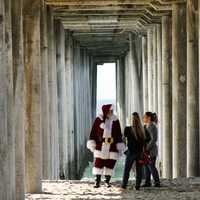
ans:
(97, 181)
(107, 181)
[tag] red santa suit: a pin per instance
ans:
(105, 142)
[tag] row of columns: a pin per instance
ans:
(171, 87)
(45, 112)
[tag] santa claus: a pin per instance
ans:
(106, 143)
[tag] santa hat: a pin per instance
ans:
(105, 109)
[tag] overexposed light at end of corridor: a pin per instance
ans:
(106, 81)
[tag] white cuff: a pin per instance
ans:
(91, 145)
(121, 147)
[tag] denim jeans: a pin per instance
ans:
(151, 169)
(130, 159)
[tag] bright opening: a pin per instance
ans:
(106, 85)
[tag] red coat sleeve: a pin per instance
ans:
(91, 144)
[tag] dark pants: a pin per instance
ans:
(151, 169)
(130, 159)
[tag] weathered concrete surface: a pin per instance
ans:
(62, 98)
(179, 88)
(160, 96)
(120, 90)
(176, 189)
(145, 74)
(18, 84)
(133, 74)
(46, 154)
(7, 139)
(70, 168)
(32, 66)
(192, 90)
(155, 71)
(150, 67)
(53, 99)
(167, 97)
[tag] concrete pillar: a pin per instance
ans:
(167, 97)
(192, 90)
(179, 88)
(18, 76)
(159, 85)
(120, 73)
(33, 97)
(62, 107)
(53, 104)
(155, 77)
(45, 95)
(199, 65)
(135, 82)
(145, 73)
(94, 88)
(70, 102)
(7, 139)
(150, 67)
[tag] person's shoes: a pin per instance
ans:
(97, 185)
(97, 181)
(157, 185)
(147, 185)
(137, 187)
(107, 181)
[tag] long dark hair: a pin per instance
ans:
(137, 125)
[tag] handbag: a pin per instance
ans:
(146, 158)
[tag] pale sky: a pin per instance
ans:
(106, 81)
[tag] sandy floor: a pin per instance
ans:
(183, 189)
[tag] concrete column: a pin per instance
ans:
(45, 94)
(62, 107)
(94, 88)
(120, 73)
(150, 67)
(18, 76)
(199, 64)
(135, 83)
(159, 84)
(53, 104)
(192, 90)
(145, 73)
(7, 138)
(33, 97)
(70, 102)
(155, 78)
(167, 97)
(179, 88)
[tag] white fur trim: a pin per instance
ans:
(97, 154)
(102, 125)
(121, 146)
(100, 117)
(112, 107)
(91, 145)
(110, 155)
(107, 128)
(114, 155)
(107, 171)
(97, 171)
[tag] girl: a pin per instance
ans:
(135, 142)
